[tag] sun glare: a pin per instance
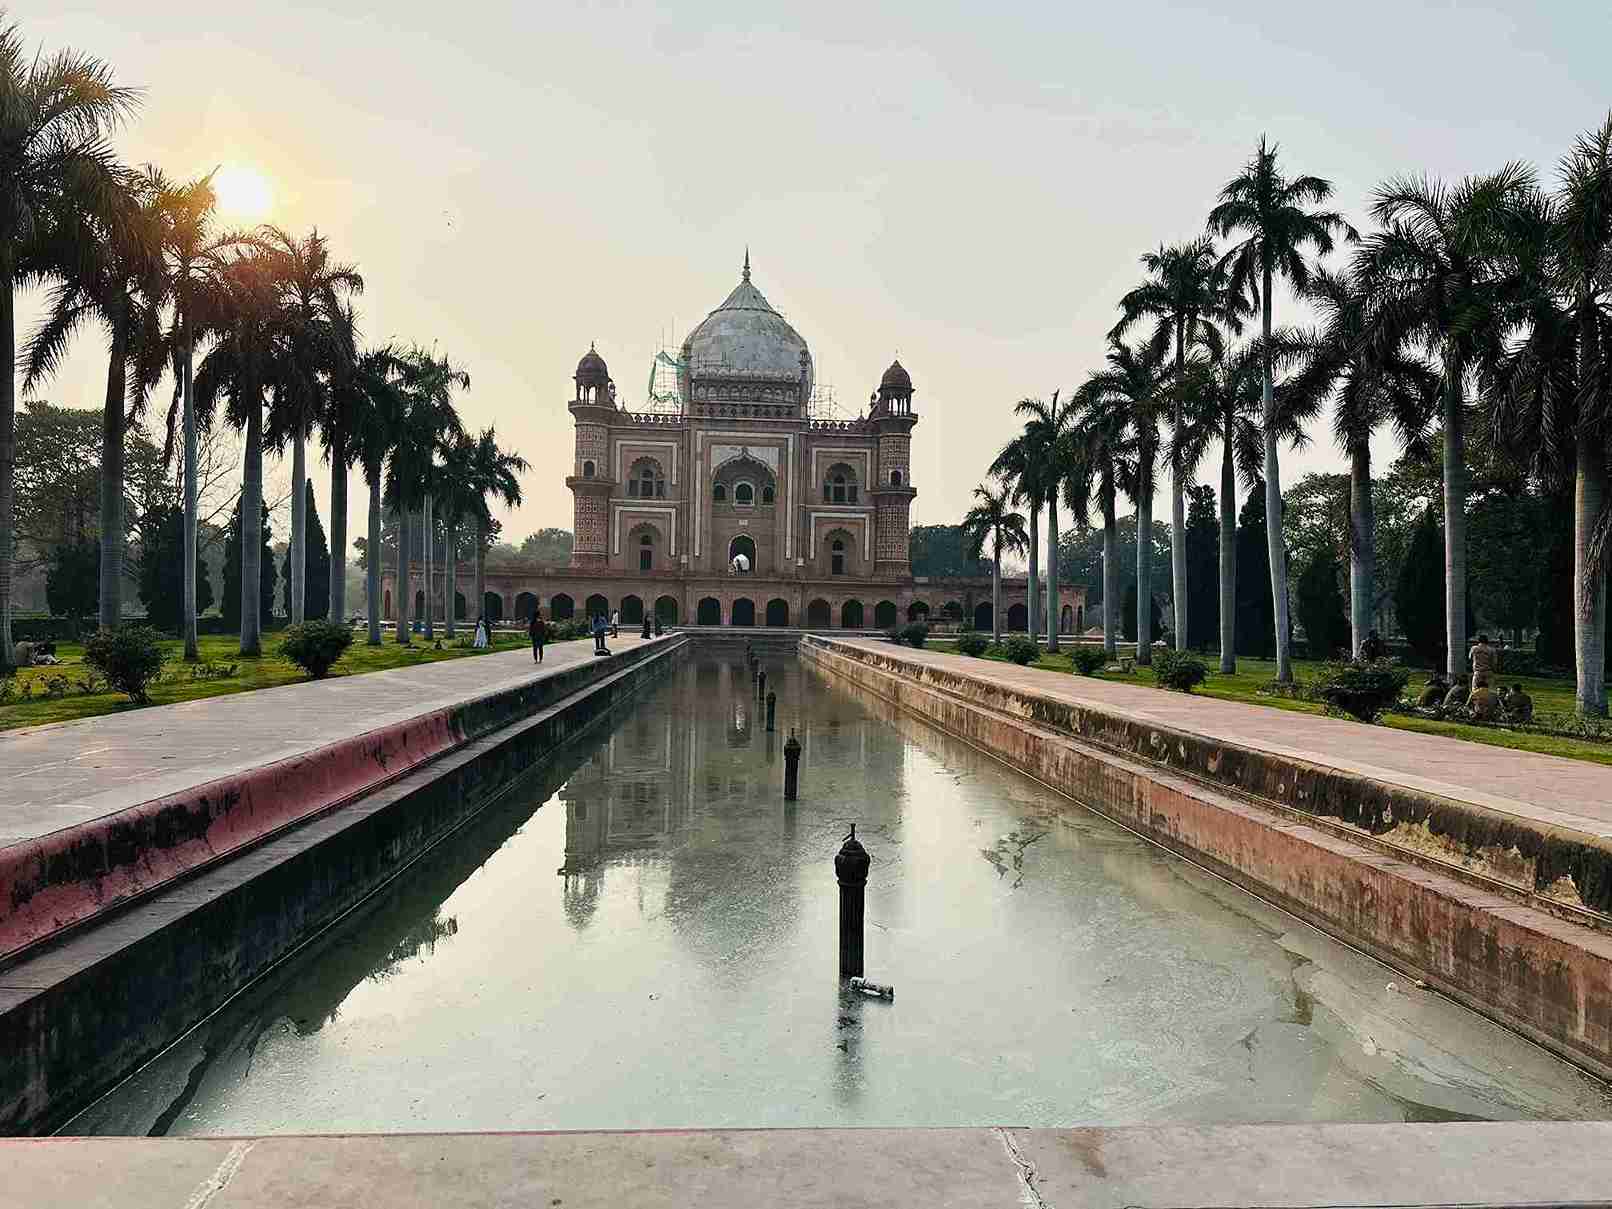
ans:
(243, 194)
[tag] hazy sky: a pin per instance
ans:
(969, 185)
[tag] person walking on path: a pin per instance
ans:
(481, 634)
(599, 629)
(539, 632)
(1483, 661)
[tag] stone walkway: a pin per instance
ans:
(57, 775)
(1548, 789)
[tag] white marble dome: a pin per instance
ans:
(745, 338)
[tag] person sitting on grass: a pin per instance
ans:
(1455, 700)
(1433, 695)
(1518, 704)
(1484, 704)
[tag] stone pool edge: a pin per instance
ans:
(1544, 977)
(83, 1011)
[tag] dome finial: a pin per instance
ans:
(747, 262)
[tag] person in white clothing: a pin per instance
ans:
(481, 633)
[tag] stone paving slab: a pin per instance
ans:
(57, 775)
(1271, 1166)
(1553, 790)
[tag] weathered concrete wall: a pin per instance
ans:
(84, 1012)
(76, 874)
(1547, 978)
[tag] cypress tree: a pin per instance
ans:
(1256, 618)
(316, 606)
(1419, 594)
(1320, 605)
(161, 569)
(1203, 568)
(230, 606)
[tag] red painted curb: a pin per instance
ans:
(68, 876)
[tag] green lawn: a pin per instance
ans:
(1550, 696)
(178, 685)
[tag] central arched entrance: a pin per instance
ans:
(666, 610)
(708, 612)
(817, 613)
(744, 612)
(777, 612)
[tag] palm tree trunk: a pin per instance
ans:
(299, 527)
(996, 592)
(1454, 522)
(1178, 504)
(1111, 601)
(1589, 603)
(338, 525)
(112, 474)
(428, 532)
(189, 524)
(405, 594)
(1362, 547)
(8, 458)
(372, 564)
(481, 575)
(450, 561)
(1275, 545)
(1052, 574)
(252, 533)
(1144, 574)
(1035, 564)
(1228, 556)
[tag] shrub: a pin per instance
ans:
(1178, 670)
(130, 657)
(970, 643)
(915, 635)
(314, 646)
(1087, 660)
(894, 634)
(1360, 689)
(1020, 651)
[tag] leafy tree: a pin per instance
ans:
(1203, 567)
(1504, 530)
(55, 113)
(1274, 215)
(1080, 557)
(1255, 630)
(1130, 614)
(317, 584)
(936, 551)
(161, 569)
(1320, 604)
(72, 583)
(1420, 597)
(554, 546)
(230, 607)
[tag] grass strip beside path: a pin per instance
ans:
(1550, 694)
(265, 671)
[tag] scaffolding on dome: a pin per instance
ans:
(664, 397)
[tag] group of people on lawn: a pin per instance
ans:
(1475, 697)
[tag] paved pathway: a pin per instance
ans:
(54, 776)
(1549, 789)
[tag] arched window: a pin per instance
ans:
(766, 494)
(895, 478)
(839, 486)
(645, 480)
(719, 493)
(744, 493)
(587, 468)
(646, 553)
(837, 557)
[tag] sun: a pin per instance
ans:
(243, 194)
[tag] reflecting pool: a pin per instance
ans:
(644, 936)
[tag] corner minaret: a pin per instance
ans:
(892, 417)
(590, 481)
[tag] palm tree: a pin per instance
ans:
(1100, 464)
(992, 520)
(1021, 465)
(1434, 272)
(1133, 394)
(315, 351)
(240, 309)
(428, 422)
(55, 113)
(1046, 432)
(346, 405)
(1185, 293)
(1277, 222)
(459, 495)
(495, 475)
(107, 269)
(372, 416)
(1369, 387)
